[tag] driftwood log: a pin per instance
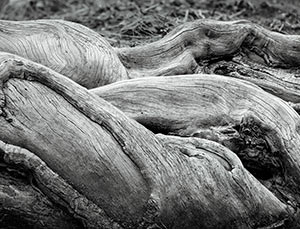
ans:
(185, 151)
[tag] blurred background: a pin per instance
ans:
(132, 22)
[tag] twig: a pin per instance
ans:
(186, 16)
(237, 13)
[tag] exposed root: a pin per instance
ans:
(57, 188)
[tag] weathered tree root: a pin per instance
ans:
(56, 189)
(195, 47)
(237, 49)
(261, 128)
(68, 48)
(207, 40)
(138, 179)
(283, 83)
(167, 180)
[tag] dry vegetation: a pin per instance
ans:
(130, 22)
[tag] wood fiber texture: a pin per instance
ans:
(93, 153)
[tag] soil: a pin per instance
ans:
(132, 22)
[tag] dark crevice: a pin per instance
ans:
(210, 60)
(256, 153)
(222, 70)
(156, 126)
(260, 161)
(261, 172)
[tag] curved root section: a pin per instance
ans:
(260, 128)
(238, 49)
(138, 179)
(56, 188)
(88, 157)
(67, 48)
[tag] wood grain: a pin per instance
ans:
(68, 48)
(134, 176)
(230, 111)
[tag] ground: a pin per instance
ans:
(132, 22)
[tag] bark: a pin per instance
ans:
(109, 171)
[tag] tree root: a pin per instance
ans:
(55, 188)
(252, 53)
(138, 179)
(67, 48)
(261, 128)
